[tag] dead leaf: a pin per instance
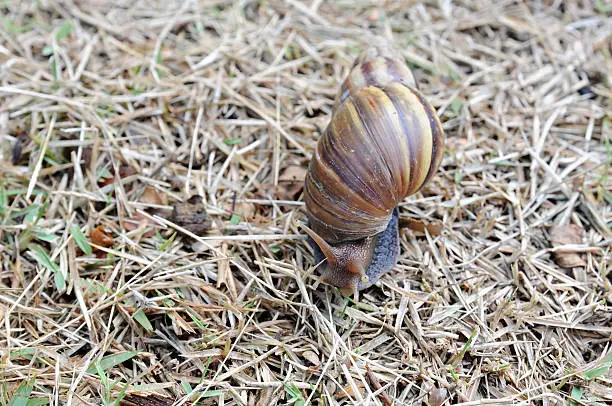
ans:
(100, 237)
(140, 221)
(378, 387)
(179, 324)
(293, 173)
(348, 392)
(192, 215)
(152, 196)
(570, 234)
(434, 227)
(124, 172)
(291, 182)
(245, 210)
(289, 191)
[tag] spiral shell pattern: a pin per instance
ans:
(374, 67)
(383, 143)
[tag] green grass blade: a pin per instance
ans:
(45, 260)
(64, 30)
(22, 394)
(143, 320)
(600, 369)
(80, 240)
(110, 361)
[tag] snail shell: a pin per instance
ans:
(384, 142)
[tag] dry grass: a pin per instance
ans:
(227, 101)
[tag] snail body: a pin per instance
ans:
(384, 142)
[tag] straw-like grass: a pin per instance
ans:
(104, 294)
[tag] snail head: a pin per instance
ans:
(346, 263)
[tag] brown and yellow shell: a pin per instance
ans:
(384, 142)
(375, 66)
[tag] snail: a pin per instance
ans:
(383, 143)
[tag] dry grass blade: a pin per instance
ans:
(115, 286)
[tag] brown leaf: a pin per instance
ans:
(152, 196)
(378, 387)
(570, 234)
(140, 221)
(192, 215)
(348, 392)
(245, 210)
(289, 191)
(293, 173)
(124, 172)
(434, 228)
(100, 237)
(291, 182)
(179, 324)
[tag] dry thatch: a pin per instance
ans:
(112, 114)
